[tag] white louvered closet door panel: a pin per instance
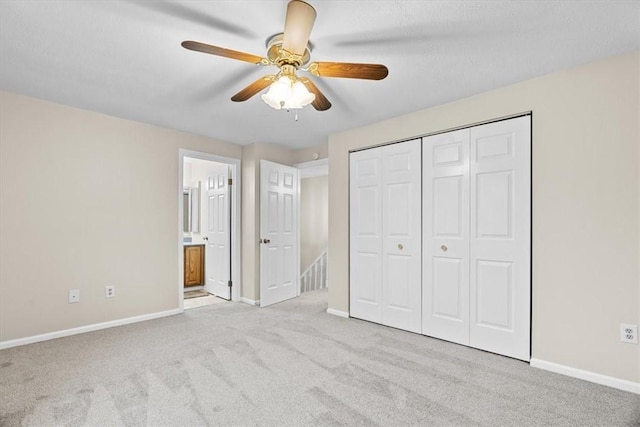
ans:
(365, 251)
(402, 236)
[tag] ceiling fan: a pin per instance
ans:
(290, 51)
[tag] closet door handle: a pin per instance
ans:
(444, 248)
(400, 246)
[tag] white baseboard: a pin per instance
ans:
(338, 313)
(593, 377)
(249, 301)
(87, 328)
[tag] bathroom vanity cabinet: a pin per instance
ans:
(194, 265)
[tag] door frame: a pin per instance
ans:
(236, 259)
(310, 169)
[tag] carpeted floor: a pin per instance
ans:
(290, 364)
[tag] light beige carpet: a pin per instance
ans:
(290, 364)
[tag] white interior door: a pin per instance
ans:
(500, 291)
(218, 234)
(402, 236)
(279, 264)
(445, 298)
(365, 231)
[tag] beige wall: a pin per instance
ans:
(306, 154)
(251, 156)
(586, 194)
(86, 200)
(314, 219)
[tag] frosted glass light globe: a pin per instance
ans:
(284, 94)
(279, 93)
(300, 96)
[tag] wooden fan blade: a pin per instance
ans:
(297, 27)
(227, 53)
(349, 70)
(253, 88)
(321, 103)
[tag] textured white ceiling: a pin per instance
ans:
(124, 58)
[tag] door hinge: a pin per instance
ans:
(230, 283)
(230, 181)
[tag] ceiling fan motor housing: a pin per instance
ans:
(278, 56)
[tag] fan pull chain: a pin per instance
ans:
(295, 116)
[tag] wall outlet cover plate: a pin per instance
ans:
(629, 333)
(74, 296)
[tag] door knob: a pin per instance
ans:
(444, 248)
(265, 241)
(400, 246)
(205, 238)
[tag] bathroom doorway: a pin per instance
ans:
(209, 249)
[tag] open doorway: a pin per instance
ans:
(209, 249)
(314, 225)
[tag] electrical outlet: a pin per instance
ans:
(109, 291)
(74, 296)
(629, 333)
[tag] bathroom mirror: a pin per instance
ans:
(191, 209)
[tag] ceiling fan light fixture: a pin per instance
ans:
(288, 94)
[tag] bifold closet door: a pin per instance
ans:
(500, 251)
(477, 237)
(445, 296)
(385, 235)
(402, 236)
(365, 235)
